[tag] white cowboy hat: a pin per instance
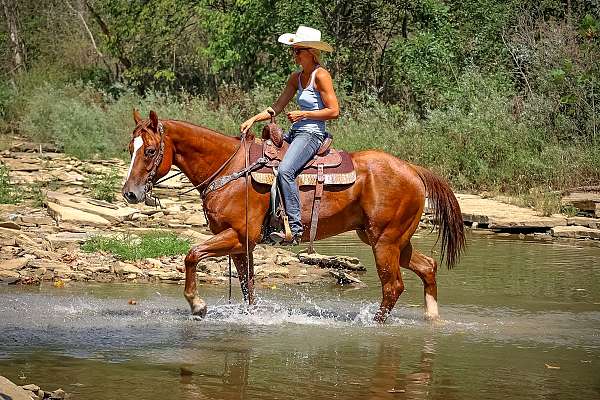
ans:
(307, 37)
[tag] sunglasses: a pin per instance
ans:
(298, 50)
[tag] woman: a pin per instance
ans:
(317, 101)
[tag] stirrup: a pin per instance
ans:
(282, 239)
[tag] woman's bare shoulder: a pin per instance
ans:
(323, 78)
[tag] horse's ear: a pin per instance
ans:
(154, 120)
(137, 117)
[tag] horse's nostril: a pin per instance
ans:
(130, 197)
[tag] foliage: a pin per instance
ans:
(8, 193)
(492, 94)
(130, 247)
(104, 185)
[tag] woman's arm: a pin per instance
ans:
(331, 109)
(277, 107)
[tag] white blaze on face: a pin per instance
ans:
(138, 142)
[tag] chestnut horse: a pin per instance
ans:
(383, 206)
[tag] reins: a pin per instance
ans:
(210, 184)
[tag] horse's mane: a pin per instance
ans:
(197, 128)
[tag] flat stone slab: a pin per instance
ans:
(576, 232)
(73, 215)
(593, 223)
(107, 211)
(498, 215)
(586, 201)
(63, 239)
(14, 264)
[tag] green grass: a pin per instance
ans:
(131, 247)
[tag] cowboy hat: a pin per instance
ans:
(307, 37)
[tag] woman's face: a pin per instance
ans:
(301, 55)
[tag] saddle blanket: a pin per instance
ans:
(343, 174)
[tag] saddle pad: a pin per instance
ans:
(343, 174)
(307, 179)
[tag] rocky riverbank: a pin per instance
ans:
(41, 235)
(9, 390)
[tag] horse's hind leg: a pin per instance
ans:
(426, 269)
(224, 243)
(387, 258)
(243, 269)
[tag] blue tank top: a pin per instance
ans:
(309, 99)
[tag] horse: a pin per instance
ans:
(384, 206)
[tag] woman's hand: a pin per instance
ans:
(294, 116)
(245, 127)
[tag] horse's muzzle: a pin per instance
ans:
(131, 197)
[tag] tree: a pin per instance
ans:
(16, 42)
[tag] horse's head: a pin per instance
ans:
(151, 157)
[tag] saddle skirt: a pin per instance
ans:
(336, 166)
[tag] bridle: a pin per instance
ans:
(158, 158)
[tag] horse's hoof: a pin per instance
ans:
(432, 317)
(199, 308)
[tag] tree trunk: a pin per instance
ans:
(16, 44)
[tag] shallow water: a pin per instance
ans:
(508, 309)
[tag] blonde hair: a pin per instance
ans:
(316, 55)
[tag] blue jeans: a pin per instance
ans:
(303, 147)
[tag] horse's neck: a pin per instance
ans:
(199, 152)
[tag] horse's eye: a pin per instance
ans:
(150, 152)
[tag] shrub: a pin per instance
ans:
(105, 185)
(8, 193)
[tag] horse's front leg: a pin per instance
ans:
(226, 242)
(245, 272)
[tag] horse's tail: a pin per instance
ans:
(447, 215)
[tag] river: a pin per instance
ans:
(519, 319)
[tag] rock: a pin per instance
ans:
(576, 232)
(171, 276)
(494, 214)
(31, 220)
(177, 226)
(7, 242)
(105, 210)
(337, 262)
(69, 177)
(585, 201)
(153, 262)
(96, 268)
(584, 221)
(277, 272)
(64, 239)
(9, 390)
(68, 214)
(9, 225)
(14, 264)
(57, 394)
(31, 387)
(197, 219)
(343, 278)
(197, 237)
(124, 268)
(9, 277)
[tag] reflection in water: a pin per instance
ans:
(231, 384)
(389, 381)
(528, 303)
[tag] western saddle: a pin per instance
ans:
(329, 167)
